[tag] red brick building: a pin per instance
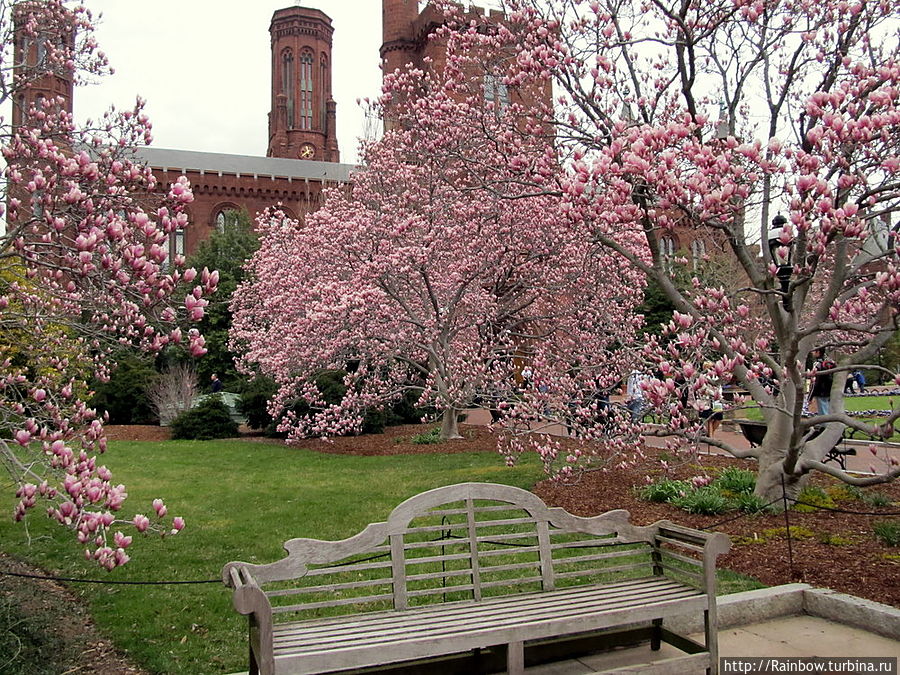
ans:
(302, 155)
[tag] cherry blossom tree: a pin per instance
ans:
(85, 270)
(711, 119)
(422, 276)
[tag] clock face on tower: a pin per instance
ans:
(307, 151)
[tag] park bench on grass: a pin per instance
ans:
(485, 574)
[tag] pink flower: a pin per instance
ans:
(160, 507)
(141, 522)
(178, 523)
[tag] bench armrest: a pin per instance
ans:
(248, 598)
(706, 545)
(710, 544)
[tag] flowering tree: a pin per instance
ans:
(85, 270)
(420, 276)
(807, 127)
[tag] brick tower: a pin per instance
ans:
(398, 31)
(39, 78)
(302, 123)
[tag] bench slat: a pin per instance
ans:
(679, 542)
(282, 609)
(300, 590)
(603, 570)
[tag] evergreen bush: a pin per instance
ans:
(209, 419)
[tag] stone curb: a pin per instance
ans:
(740, 609)
(852, 611)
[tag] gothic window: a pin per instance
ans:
(176, 245)
(496, 92)
(306, 90)
(220, 222)
(287, 84)
(698, 252)
(323, 72)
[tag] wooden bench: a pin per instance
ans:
(482, 572)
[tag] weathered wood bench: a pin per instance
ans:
(478, 571)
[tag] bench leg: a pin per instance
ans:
(656, 635)
(515, 658)
(253, 668)
(712, 644)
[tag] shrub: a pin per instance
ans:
(429, 437)
(888, 531)
(706, 500)
(172, 391)
(735, 480)
(254, 402)
(750, 503)
(664, 490)
(209, 419)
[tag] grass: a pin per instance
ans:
(241, 501)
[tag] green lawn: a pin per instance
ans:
(241, 500)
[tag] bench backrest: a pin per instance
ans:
(462, 542)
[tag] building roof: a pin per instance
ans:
(243, 165)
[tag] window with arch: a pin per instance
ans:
(306, 90)
(698, 252)
(226, 217)
(323, 78)
(287, 83)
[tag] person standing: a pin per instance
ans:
(216, 384)
(821, 387)
(634, 394)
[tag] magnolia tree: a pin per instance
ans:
(84, 271)
(419, 277)
(807, 95)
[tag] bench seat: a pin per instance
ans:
(362, 640)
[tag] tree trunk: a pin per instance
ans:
(772, 483)
(449, 425)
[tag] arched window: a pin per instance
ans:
(287, 83)
(306, 90)
(220, 222)
(698, 252)
(323, 78)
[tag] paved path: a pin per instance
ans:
(730, 433)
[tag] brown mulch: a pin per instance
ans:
(52, 619)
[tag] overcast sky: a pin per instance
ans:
(204, 68)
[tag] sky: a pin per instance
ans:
(204, 68)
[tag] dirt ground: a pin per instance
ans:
(827, 549)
